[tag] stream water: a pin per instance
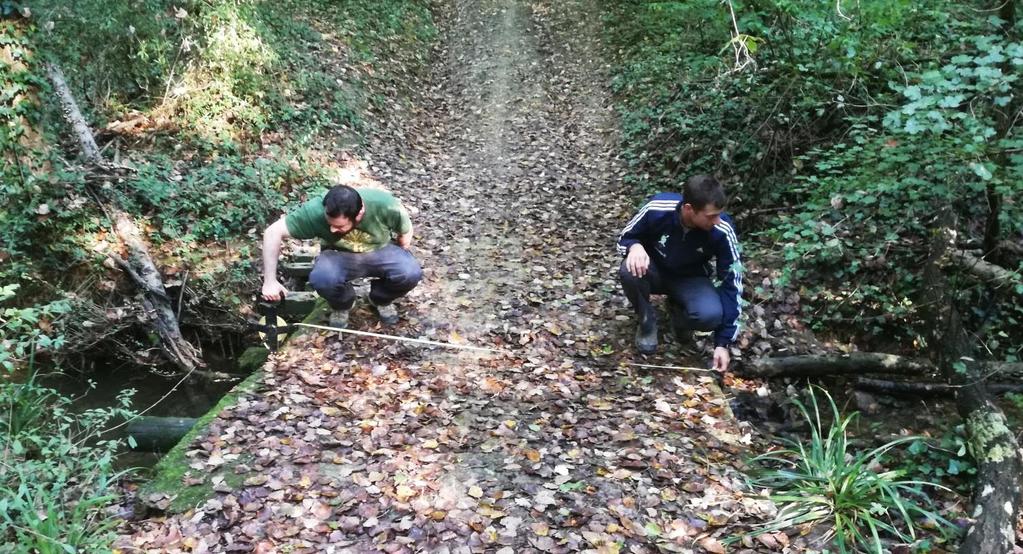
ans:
(155, 394)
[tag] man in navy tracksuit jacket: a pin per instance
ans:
(668, 246)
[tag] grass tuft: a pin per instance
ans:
(821, 481)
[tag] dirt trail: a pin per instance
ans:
(365, 445)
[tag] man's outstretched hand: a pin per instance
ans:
(638, 261)
(273, 291)
(721, 359)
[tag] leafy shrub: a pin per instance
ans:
(945, 458)
(858, 123)
(824, 482)
(57, 479)
(25, 329)
(867, 202)
(28, 317)
(683, 112)
(214, 200)
(227, 71)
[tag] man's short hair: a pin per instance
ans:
(342, 200)
(701, 190)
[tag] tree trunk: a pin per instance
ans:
(72, 115)
(157, 305)
(1003, 123)
(857, 363)
(984, 270)
(996, 494)
(926, 389)
(139, 264)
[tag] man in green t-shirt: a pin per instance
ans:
(363, 233)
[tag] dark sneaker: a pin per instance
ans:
(338, 319)
(646, 336)
(388, 313)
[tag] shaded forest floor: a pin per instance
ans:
(508, 165)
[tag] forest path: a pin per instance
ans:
(510, 172)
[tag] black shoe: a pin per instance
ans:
(646, 335)
(683, 335)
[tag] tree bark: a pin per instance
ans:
(1003, 124)
(72, 115)
(926, 389)
(157, 305)
(857, 363)
(1011, 247)
(139, 264)
(983, 269)
(996, 494)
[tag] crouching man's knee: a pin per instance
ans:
(326, 275)
(626, 277)
(410, 274)
(707, 317)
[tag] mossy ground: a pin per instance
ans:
(169, 474)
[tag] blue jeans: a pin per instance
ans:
(697, 303)
(393, 269)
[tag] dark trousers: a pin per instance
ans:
(696, 304)
(394, 269)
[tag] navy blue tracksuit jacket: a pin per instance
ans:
(682, 252)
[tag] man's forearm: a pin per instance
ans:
(271, 253)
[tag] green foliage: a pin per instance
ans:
(228, 70)
(25, 329)
(868, 201)
(823, 481)
(683, 113)
(230, 110)
(56, 472)
(860, 122)
(21, 189)
(946, 459)
(25, 174)
(216, 200)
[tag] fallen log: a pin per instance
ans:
(857, 363)
(854, 363)
(72, 115)
(996, 493)
(1011, 247)
(158, 307)
(139, 265)
(926, 388)
(984, 269)
(158, 434)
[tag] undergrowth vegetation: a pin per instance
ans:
(216, 115)
(823, 480)
(219, 113)
(228, 71)
(57, 477)
(846, 133)
(842, 135)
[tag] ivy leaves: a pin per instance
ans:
(948, 98)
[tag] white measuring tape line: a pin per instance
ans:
(686, 368)
(404, 339)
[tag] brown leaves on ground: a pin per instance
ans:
(418, 456)
(361, 444)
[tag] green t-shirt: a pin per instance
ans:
(384, 218)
